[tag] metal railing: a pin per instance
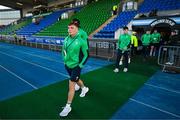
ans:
(102, 48)
(169, 56)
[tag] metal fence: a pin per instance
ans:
(169, 56)
(102, 48)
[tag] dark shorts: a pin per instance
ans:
(74, 73)
(155, 44)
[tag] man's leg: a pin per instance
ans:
(71, 92)
(126, 61)
(151, 50)
(121, 61)
(119, 54)
(84, 88)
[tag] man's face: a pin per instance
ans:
(125, 31)
(148, 32)
(173, 33)
(72, 30)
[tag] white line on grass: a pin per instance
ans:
(162, 88)
(33, 86)
(35, 64)
(150, 106)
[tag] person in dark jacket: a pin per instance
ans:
(173, 41)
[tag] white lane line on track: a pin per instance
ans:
(35, 64)
(162, 88)
(150, 106)
(27, 52)
(33, 86)
(46, 58)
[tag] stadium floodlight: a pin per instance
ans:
(4, 7)
(18, 3)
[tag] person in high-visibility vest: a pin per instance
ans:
(134, 43)
(114, 9)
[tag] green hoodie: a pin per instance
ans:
(155, 37)
(146, 39)
(83, 35)
(124, 42)
(71, 50)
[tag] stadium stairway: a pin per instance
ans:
(121, 20)
(91, 17)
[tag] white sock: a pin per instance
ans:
(151, 53)
(68, 104)
(82, 87)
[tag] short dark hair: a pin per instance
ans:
(74, 23)
(76, 20)
(125, 28)
(175, 31)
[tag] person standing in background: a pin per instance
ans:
(155, 43)
(134, 43)
(146, 40)
(173, 41)
(123, 49)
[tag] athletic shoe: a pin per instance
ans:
(65, 111)
(84, 91)
(116, 70)
(77, 87)
(125, 70)
(120, 62)
(169, 63)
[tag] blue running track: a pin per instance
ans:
(159, 98)
(23, 69)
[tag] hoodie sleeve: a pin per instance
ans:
(119, 41)
(63, 49)
(85, 52)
